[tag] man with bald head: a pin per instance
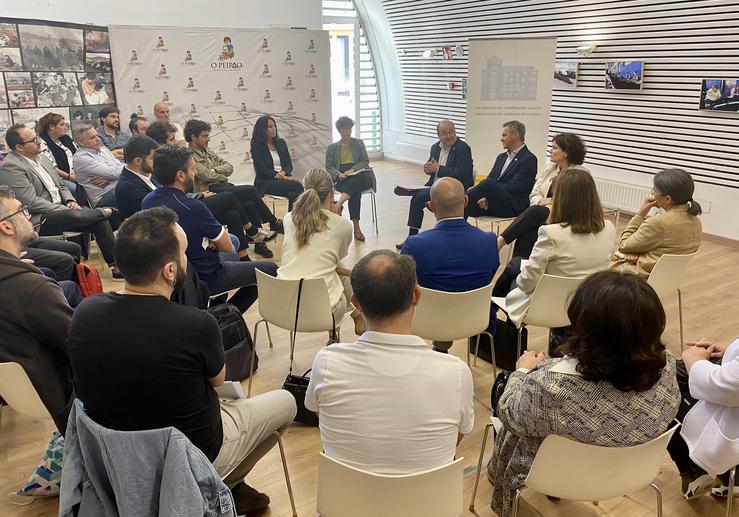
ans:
(450, 157)
(367, 392)
(161, 113)
(454, 256)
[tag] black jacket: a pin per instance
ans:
(458, 164)
(34, 328)
(264, 167)
(130, 191)
(59, 155)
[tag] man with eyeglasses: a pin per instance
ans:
(449, 157)
(53, 208)
(36, 316)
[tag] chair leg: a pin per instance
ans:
(479, 465)
(730, 494)
(253, 355)
(518, 342)
(287, 475)
(374, 213)
(514, 506)
(659, 498)
(269, 336)
(680, 316)
(492, 353)
(468, 350)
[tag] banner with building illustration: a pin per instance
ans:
(54, 67)
(229, 78)
(508, 79)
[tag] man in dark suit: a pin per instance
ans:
(439, 263)
(450, 157)
(505, 192)
(135, 181)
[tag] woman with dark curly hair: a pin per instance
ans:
(568, 152)
(615, 386)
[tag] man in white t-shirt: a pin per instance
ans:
(387, 403)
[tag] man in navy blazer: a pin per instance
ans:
(450, 157)
(454, 256)
(505, 192)
(135, 181)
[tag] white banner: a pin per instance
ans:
(229, 78)
(509, 79)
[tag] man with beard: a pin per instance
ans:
(161, 371)
(110, 131)
(36, 316)
(174, 171)
(161, 113)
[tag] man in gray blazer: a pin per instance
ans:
(52, 206)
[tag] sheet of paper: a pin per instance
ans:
(230, 390)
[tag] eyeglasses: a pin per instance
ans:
(34, 139)
(23, 209)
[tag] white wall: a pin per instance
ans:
(177, 13)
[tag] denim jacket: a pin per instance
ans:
(158, 472)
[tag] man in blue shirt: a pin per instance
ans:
(454, 256)
(174, 170)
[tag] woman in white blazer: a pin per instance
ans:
(568, 152)
(575, 243)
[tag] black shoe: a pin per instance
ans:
(249, 500)
(261, 248)
(399, 246)
(277, 226)
(441, 350)
(117, 276)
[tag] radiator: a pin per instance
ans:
(613, 194)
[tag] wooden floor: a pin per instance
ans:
(711, 300)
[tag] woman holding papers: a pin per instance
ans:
(348, 164)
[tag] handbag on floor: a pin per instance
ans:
(497, 390)
(298, 385)
(237, 342)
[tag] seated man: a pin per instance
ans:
(110, 131)
(58, 255)
(161, 113)
(505, 192)
(450, 157)
(387, 403)
(174, 170)
(138, 125)
(35, 314)
(439, 263)
(96, 168)
(52, 205)
(161, 371)
(163, 132)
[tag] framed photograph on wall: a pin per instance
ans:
(720, 95)
(565, 74)
(624, 75)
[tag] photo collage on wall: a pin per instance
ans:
(52, 67)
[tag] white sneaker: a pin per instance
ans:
(263, 235)
(699, 486)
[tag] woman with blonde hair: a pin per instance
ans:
(316, 240)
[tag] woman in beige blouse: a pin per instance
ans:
(676, 231)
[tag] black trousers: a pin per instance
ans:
(226, 208)
(419, 199)
(256, 209)
(354, 186)
(85, 220)
(499, 201)
(285, 188)
(525, 230)
(57, 255)
(507, 280)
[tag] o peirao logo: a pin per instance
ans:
(136, 86)
(163, 74)
(134, 59)
(264, 46)
(224, 61)
(190, 86)
(188, 61)
(160, 46)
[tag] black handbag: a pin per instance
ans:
(506, 345)
(237, 342)
(298, 385)
(497, 390)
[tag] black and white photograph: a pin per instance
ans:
(96, 88)
(20, 90)
(85, 115)
(56, 89)
(3, 96)
(10, 59)
(29, 117)
(5, 123)
(565, 74)
(96, 41)
(8, 35)
(97, 63)
(51, 48)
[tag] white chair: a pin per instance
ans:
(495, 223)
(345, 490)
(548, 305)
(444, 316)
(18, 391)
(494, 424)
(274, 198)
(612, 212)
(730, 493)
(278, 303)
(665, 279)
(594, 473)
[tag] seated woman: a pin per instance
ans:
(677, 231)
(316, 239)
(272, 163)
(575, 242)
(58, 146)
(568, 151)
(622, 381)
(343, 159)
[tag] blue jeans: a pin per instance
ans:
(242, 276)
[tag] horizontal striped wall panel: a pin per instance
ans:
(681, 42)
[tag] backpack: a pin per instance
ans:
(237, 342)
(89, 279)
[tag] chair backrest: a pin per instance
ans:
(548, 307)
(18, 391)
(278, 299)
(595, 473)
(443, 316)
(668, 272)
(345, 490)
